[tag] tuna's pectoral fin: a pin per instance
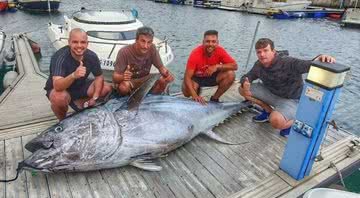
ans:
(216, 137)
(139, 94)
(146, 165)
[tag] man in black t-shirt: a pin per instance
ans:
(68, 80)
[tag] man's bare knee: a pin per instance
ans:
(186, 91)
(124, 88)
(107, 88)
(59, 98)
(277, 120)
(226, 78)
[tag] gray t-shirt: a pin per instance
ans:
(140, 64)
(284, 76)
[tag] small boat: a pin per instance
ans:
(39, 5)
(307, 13)
(211, 4)
(3, 5)
(108, 31)
(264, 6)
(2, 46)
(329, 193)
(351, 18)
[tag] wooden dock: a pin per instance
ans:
(201, 168)
(25, 101)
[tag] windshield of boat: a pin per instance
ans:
(127, 35)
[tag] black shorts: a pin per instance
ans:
(78, 92)
(206, 81)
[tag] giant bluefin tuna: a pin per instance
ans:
(113, 135)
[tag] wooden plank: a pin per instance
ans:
(154, 183)
(28, 89)
(272, 186)
(2, 168)
(187, 177)
(36, 184)
(58, 185)
(79, 187)
(219, 173)
(203, 174)
(250, 152)
(241, 163)
(136, 182)
(14, 155)
(263, 147)
(170, 178)
(117, 182)
(248, 159)
(98, 185)
(235, 172)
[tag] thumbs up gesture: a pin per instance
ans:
(80, 70)
(244, 89)
(246, 84)
(127, 73)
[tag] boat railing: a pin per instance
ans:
(96, 42)
(165, 41)
(158, 45)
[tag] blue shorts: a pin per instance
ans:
(206, 81)
(287, 107)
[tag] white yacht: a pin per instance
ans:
(108, 31)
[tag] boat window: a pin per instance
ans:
(128, 35)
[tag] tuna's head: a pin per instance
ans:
(74, 141)
(53, 134)
(56, 146)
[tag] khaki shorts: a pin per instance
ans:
(287, 107)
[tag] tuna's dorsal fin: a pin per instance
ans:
(146, 165)
(216, 137)
(139, 94)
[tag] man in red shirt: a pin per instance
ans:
(208, 65)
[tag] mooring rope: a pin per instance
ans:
(332, 165)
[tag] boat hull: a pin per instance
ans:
(3, 5)
(39, 5)
(265, 8)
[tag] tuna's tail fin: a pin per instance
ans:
(18, 170)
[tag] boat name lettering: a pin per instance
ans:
(107, 63)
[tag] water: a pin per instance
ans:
(184, 26)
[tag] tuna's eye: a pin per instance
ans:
(58, 129)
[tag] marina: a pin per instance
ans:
(202, 168)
